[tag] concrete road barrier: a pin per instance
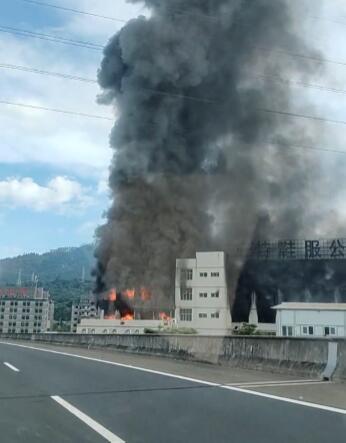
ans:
(301, 356)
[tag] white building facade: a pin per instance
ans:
(101, 326)
(25, 310)
(86, 308)
(201, 297)
(311, 319)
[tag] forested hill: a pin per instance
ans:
(62, 264)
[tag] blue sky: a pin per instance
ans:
(53, 168)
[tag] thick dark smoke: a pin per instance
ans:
(285, 280)
(197, 159)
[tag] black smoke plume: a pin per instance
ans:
(198, 160)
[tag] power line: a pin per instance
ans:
(61, 111)
(87, 80)
(303, 56)
(276, 78)
(74, 11)
(175, 11)
(99, 47)
(303, 116)
(80, 114)
(51, 38)
(47, 73)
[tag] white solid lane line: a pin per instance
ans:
(181, 377)
(11, 366)
(105, 433)
(285, 385)
(264, 383)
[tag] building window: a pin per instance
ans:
(215, 274)
(114, 331)
(203, 274)
(311, 330)
(83, 331)
(202, 315)
(305, 330)
(105, 331)
(203, 294)
(186, 294)
(328, 330)
(215, 294)
(215, 315)
(186, 314)
(287, 331)
(186, 274)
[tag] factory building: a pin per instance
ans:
(25, 310)
(201, 297)
(311, 319)
(86, 308)
(119, 326)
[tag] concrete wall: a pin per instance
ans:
(286, 355)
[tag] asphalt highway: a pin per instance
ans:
(49, 396)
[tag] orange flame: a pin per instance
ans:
(128, 317)
(145, 294)
(129, 293)
(164, 316)
(112, 295)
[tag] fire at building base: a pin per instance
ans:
(202, 304)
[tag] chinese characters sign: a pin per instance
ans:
(334, 249)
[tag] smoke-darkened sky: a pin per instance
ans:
(53, 169)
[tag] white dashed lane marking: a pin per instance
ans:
(105, 433)
(11, 367)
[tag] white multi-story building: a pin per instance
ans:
(102, 326)
(86, 308)
(25, 310)
(311, 319)
(201, 297)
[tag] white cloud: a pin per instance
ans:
(70, 144)
(67, 142)
(59, 194)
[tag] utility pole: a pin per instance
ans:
(19, 279)
(36, 282)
